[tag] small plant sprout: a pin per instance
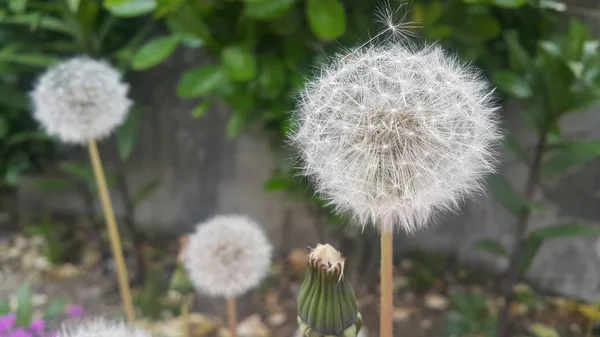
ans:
(227, 256)
(80, 101)
(326, 303)
(100, 327)
(392, 134)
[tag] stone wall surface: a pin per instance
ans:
(203, 173)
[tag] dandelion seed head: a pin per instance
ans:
(80, 99)
(100, 327)
(419, 139)
(227, 256)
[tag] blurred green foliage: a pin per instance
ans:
(35, 34)
(470, 316)
(262, 51)
(561, 76)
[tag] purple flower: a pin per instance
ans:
(19, 332)
(74, 311)
(7, 322)
(37, 325)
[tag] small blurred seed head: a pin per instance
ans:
(100, 327)
(227, 256)
(391, 133)
(80, 99)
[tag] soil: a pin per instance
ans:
(421, 309)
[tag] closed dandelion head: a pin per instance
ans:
(227, 256)
(390, 134)
(80, 99)
(100, 327)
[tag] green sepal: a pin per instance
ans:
(327, 305)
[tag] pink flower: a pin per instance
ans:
(37, 325)
(7, 322)
(75, 311)
(19, 332)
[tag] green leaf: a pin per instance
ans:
(276, 184)
(268, 9)
(25, 308)
(272, 77)
(503, 192)
(513, 146)
(79, 170)
(510, 3)
(201, 81)
(326, 18)
(17, 6)
(569, 155)
(478, 29)
(4, 307)
(54, 184)
(86, 174)
(491, 246)
(235, 124)
(127, 136)
(239, 63)
(34, 60)
(73, 5)
(518, 56)
(130, 8)
(512, 83)
(530, 248)
(578, 34)
(144, 192)
(28, 136)
(154, 52)
(55, 309)
(565, 230)
(201, 109)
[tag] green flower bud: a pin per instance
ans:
(326, 302)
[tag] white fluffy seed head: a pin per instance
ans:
(227, 256)
(80, 99)
(100, 327)
(391, 133)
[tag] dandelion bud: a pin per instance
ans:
(326, 303)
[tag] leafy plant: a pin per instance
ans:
(427, 269)
(35, 34)
(470, 316)
(58, 240)
(25, 317)
(560, 77)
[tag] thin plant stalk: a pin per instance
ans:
(113, 232)
(231, 316)
(512, 276)
(386, 323)
(185, 315)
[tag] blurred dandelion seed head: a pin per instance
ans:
(227, 256)
(80, 99)
(100, 327)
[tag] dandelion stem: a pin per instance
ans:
(185, 315)
(386, 324)
(231, 316)
(113, 232)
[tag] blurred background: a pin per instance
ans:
(213, 83)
